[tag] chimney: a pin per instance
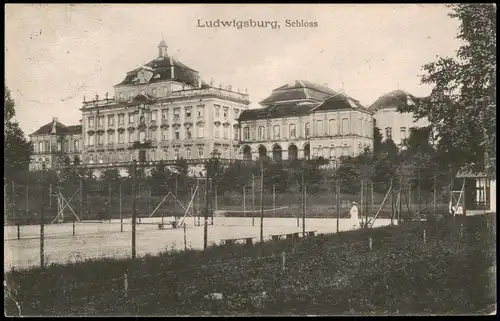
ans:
(55, 119)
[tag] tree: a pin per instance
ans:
(111, 174)
(377, 138)
(462, 104)
(17, 150)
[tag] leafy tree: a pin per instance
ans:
(377, 138)
(462, 104)
(17, 149)
(111, 174)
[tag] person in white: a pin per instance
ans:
(354, 216)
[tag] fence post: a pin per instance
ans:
(185, 240)
(121, 211)
(424, 236)
(73, 227)
(18, 231)
(50, 195)
(125, 284)
(27, 199)
(283, 256)
(461, 230)
(13, 198)
(370, 243)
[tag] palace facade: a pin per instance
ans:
(392, 124)
(304, 120)
(160, 111)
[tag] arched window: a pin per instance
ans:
(307, 130)
(293, 133)
(246, 133)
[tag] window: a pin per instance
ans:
(345, 126)
(110, 138)
(188, 152)
(261, 132)
(246, 133)
(293, 132)
(236, 132)
(91, 122)
(360, 124)
(176, 153)
(164, 134)
(130, 137)
(320, 151)
(58, 146)
(130, 118)
(164, 114)
(91, 140)
(201, 132)
(177, 135)
(153, 92)
(201, 110)
(307, 130)
(226, 132)
(142, 136)
(46, 146)
(236, 113)
(153, 115)
(131, 95)
(188, 133)
(120, 137)
(388, 133)
(360, 147)
(100, 139)
(152, 135)
(226, 112)
(332, 123)
(121, 119)
(111, 120)
(40, 147)
(276, 132)
(345, 150)
(177, 112)
(217, 110)
(217, 131)
(188, 112)
(100, 121)
(403, 133)
(319, 128)
(200, 151)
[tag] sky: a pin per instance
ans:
(57, 53)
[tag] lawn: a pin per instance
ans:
(326, 274)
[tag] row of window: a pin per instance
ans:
(187, 153)
(44, 147)
(155, 92)
(188, 111)
(388, 133)
(188, 134)
(292, 130)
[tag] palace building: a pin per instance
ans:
(160, 111)
(304, 120)
(392, 124)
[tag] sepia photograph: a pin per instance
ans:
(249, 160)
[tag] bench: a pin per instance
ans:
(248, 240)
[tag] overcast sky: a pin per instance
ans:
(56, 54)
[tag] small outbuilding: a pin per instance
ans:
(478, 193)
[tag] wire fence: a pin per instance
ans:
(323, 198)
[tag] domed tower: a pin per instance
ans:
(162, 48)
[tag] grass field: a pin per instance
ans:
(449, 271)
(97, 240)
